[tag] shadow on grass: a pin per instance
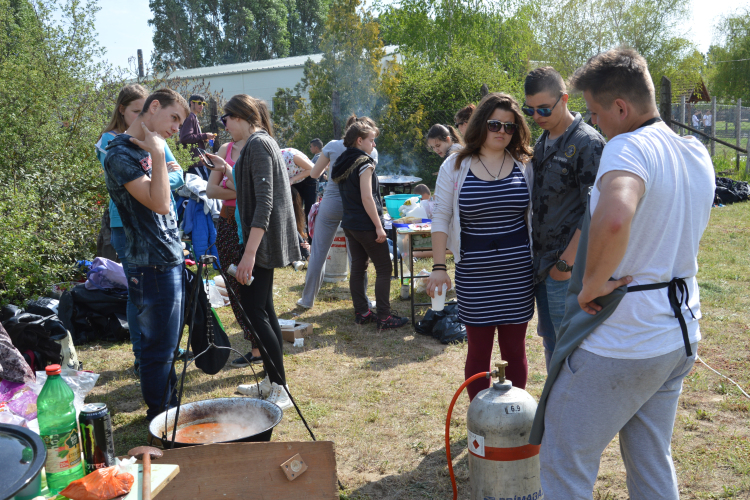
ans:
(430, 479)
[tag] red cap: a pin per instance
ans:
(53, 370)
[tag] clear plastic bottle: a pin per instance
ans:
(58, 427)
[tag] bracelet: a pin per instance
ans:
(439, 267)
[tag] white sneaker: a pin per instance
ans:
(279, 397)
(261, 390)
(299, 303)
(299, 264)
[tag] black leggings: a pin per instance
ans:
(257, 301)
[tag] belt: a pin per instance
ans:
(677, 284)
(227, 212)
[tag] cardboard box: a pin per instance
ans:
(299, 331)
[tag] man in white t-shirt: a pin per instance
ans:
(648, 209)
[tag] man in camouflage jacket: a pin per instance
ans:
(566, 160)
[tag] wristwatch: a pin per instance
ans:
(563, 266)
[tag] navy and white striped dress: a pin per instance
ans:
(494, 279)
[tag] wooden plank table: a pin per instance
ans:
(251, 471)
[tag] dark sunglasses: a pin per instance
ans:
(224, 118)
(202, 103)
(545, 112)
(459, 124)
(497, 125)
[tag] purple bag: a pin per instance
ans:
(106, 275)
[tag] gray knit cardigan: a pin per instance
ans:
(264, 200)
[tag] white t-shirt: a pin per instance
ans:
(696, 121)
(664, 237)
(707, 120)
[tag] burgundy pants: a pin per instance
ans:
(512, 341)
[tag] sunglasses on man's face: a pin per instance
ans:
(544, 112)
(200, 103)
(224, 118)
(497, 125)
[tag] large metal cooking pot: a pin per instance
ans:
(244, 411)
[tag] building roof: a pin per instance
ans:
(252, 66)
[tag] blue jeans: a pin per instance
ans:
(158, 294)
(550, 303)
(119, 241)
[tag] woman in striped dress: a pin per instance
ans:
(482, 214)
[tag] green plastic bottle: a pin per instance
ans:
(58, 427)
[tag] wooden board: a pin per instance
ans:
(161, 474)
(251, 471)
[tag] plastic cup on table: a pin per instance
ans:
(438, 301)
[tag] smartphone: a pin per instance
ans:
(204, 157)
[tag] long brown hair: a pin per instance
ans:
(299, 213)
(128, 94)
(476, 131)
(250, 109)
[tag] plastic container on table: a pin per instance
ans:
(58, 427)
(394, 201)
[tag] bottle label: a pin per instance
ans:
(63, 451)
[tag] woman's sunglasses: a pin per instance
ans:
(224, 118)
(458, 124)
(497, 125)
(544, 112)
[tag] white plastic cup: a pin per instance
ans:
(438, 301)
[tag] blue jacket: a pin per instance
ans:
(202, 228)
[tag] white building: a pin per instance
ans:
(260, 79)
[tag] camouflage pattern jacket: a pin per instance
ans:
(562, 178)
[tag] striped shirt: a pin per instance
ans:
(494, 279)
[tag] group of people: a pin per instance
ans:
(570, 224)
(704, 122)
(574, 224)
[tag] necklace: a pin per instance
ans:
(502, 166)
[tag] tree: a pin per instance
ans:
(568, 32)
(350, 67)
(729, 59)
(56, 102)
(433, 30)
(194, 33)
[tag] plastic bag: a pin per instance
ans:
(79, 381)
(20, 399)
(420, 286)
(102, 484)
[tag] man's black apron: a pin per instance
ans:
(577, 324)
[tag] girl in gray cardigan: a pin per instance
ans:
(267, 233)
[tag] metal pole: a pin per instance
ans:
(665, 100)
(713, 125)
(738, 129)
(682, 113)
(140, 64)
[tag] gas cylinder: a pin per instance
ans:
(337, 262)
(502, 463)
